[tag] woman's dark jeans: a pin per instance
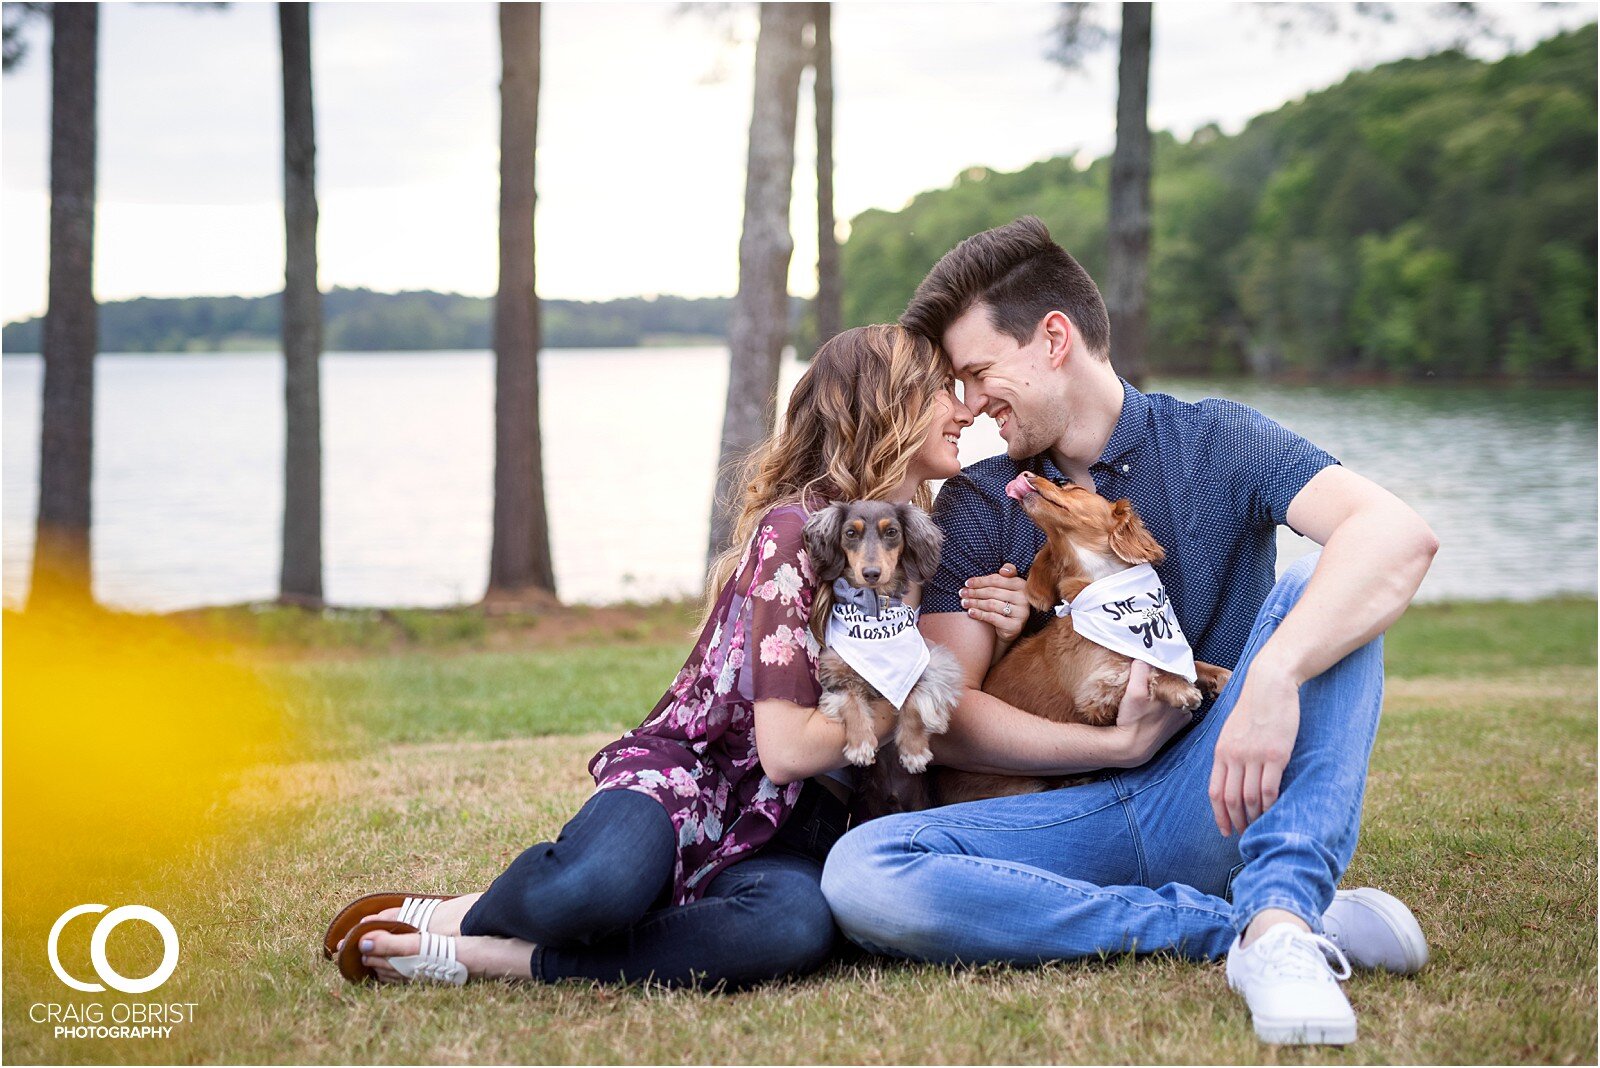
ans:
(595, 902)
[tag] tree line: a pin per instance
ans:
(362, 320)
(1431, 216)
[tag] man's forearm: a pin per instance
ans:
(988, 735)
(1370, 569)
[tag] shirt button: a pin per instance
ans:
(1124, 468)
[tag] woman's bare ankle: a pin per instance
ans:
(490, 957)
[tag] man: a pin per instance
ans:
(1232, 840)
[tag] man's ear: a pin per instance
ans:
(1044, 583)
(1063, 337)
(1130, 540)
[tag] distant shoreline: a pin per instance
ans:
(1350, 379)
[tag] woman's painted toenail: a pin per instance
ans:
(366, 945)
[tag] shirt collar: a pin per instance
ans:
(1045, 466)
(1130, 430)
(1132, 424)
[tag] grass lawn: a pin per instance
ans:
(426, 754)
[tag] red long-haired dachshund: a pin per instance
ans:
(1057, 673)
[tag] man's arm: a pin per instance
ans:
(1376, 550)
(988, 735)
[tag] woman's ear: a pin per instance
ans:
(821, 535)
(920, 557)
(1130, 540)
(1044, 580)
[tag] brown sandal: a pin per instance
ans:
(415, 912)
(434, 962)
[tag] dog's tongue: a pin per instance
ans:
(1018, 488)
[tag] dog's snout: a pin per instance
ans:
(871, 574)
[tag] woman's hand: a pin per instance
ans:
(1143, 723)
(999, 601)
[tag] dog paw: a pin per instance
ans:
(916, 763)
(860, 754)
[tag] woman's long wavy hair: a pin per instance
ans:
(855, 419)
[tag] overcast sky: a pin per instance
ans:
(644, 114)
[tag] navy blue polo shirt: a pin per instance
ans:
(1211, 480)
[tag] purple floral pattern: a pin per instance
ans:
(696, 752)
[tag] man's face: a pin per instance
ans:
(1011, 383)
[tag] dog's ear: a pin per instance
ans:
(920, 557)
(821, 608)
(1130, 540)
(821, 535)
(1044, 581)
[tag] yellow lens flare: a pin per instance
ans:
(122, 737)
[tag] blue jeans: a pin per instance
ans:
(1132, 862)
(595, 902)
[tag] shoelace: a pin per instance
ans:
(1302, 955)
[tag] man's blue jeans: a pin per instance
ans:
(1133, 862)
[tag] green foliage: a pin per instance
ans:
(1429, 217)
(361, 320)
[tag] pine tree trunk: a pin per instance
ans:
(520, 568)
(300, 581)
(61, 557)
(1128, 235)
(830, 315)
(758, 323)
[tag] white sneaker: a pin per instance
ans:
(1287, 979)
(1376, 930)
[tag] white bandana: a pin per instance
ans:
(1129, 613)
(878, 637)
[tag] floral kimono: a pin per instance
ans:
(696, 752)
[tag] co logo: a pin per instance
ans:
(97, 949)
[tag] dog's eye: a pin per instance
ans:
(892, 532)
(852, 533)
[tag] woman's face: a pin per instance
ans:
(939, 457)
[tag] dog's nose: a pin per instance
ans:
(871, 573)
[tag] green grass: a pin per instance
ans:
(433, 768)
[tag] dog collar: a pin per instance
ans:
(870, 602)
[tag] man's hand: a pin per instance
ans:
(1144, 723)
(1254, 747)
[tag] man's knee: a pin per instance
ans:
(874, 900)
(856, 881)
(1292, 582)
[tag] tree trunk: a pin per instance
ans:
(830, 316)
(300, 581)
(61, 559)
(1128, 235)
(520, 567)
(758, 323)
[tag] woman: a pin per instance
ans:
(698, 859)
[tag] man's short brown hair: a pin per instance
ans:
(1021, 276)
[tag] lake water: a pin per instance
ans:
(188, 486)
